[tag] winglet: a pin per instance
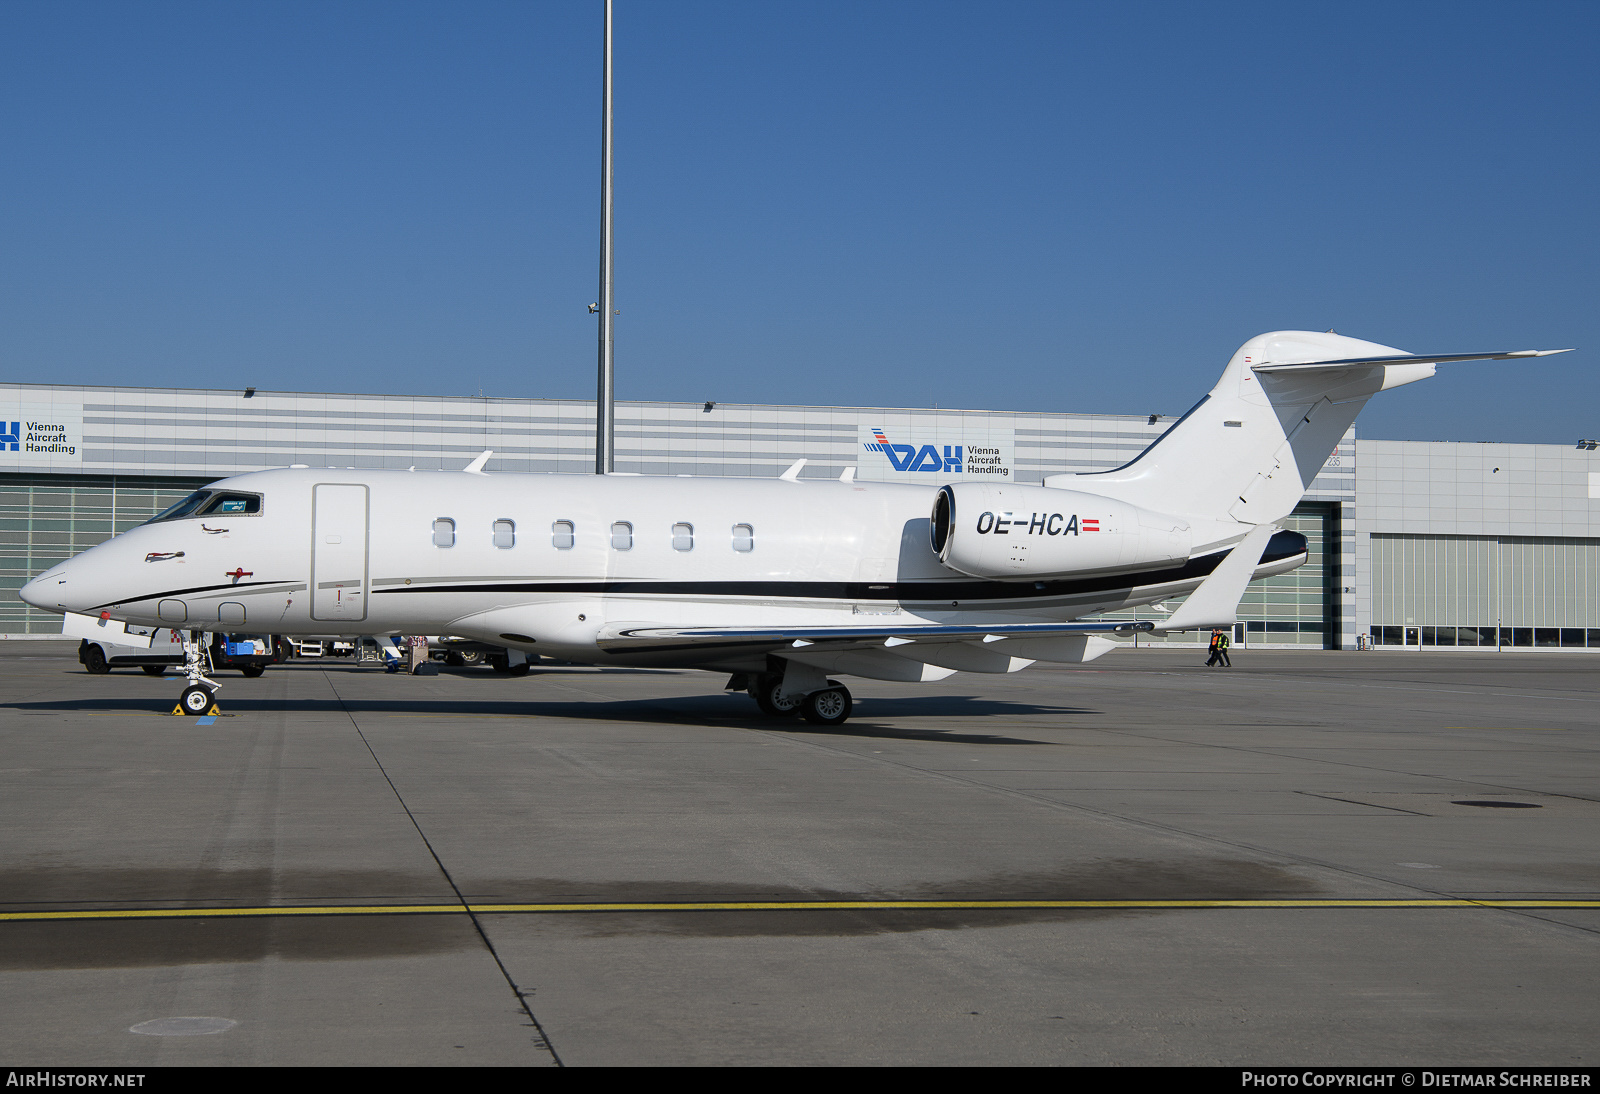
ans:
(1216, 602)
(476, 466)
(848, 474)
(793, 474)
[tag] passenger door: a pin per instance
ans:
(339, 523)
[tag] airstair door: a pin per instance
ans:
(339, 524)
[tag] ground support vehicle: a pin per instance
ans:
(249, 653)
(318, 646)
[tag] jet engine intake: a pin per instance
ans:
(1016, 532)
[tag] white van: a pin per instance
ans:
(249, 653)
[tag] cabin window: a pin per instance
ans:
(505, 533)
(744, 537)
(683, 537)
(444, 532)
(229, 504)
(622, 536)
(561, 536)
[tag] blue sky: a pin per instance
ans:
(1060, 206)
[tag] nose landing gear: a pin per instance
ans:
(200, 696)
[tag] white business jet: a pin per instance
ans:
(782, 583)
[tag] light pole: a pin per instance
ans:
(605, 396)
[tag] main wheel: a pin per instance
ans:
(471, 657)
(252, 671)
(94, 659)
(519, 670)
(195, 700)
(154, 670)
(828, 707)
(765, 693)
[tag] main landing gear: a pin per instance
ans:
(809, 694)
(200, 697)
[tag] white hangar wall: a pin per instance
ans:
(1427, 536)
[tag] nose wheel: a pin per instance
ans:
(196, 700)
(200, 696)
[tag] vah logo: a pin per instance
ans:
(953, 459)
(13, 440)
(908, 457)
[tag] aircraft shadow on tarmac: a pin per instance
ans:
(545, 669)
(108, 944)
(896, 733)
(716, 710)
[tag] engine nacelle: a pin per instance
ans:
(1026, 532)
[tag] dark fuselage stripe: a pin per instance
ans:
(186, 592)
(1282, 546)
(905, 591)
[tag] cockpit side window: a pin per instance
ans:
(229, 504)
(184, 508)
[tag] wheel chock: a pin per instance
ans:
(215, 711)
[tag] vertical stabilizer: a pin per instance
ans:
(1250, 448)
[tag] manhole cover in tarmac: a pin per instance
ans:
(182, 1027)
(1501, 805)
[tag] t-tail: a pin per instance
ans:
(1249, 450)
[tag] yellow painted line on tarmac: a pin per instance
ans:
(762, 906)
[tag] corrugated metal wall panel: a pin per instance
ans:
(1538, 581)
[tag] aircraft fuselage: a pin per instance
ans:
(545, 563)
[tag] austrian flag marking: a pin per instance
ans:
(1091, 524)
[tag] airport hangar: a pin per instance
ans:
(1412, 544)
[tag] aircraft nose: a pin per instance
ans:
(46, 591)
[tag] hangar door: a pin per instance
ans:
(1444, 590)
(339, 553)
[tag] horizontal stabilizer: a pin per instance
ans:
(1403, 359)
(1216, 602)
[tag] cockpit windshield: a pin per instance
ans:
(233, 504)
(185, 508)
(211, 503)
